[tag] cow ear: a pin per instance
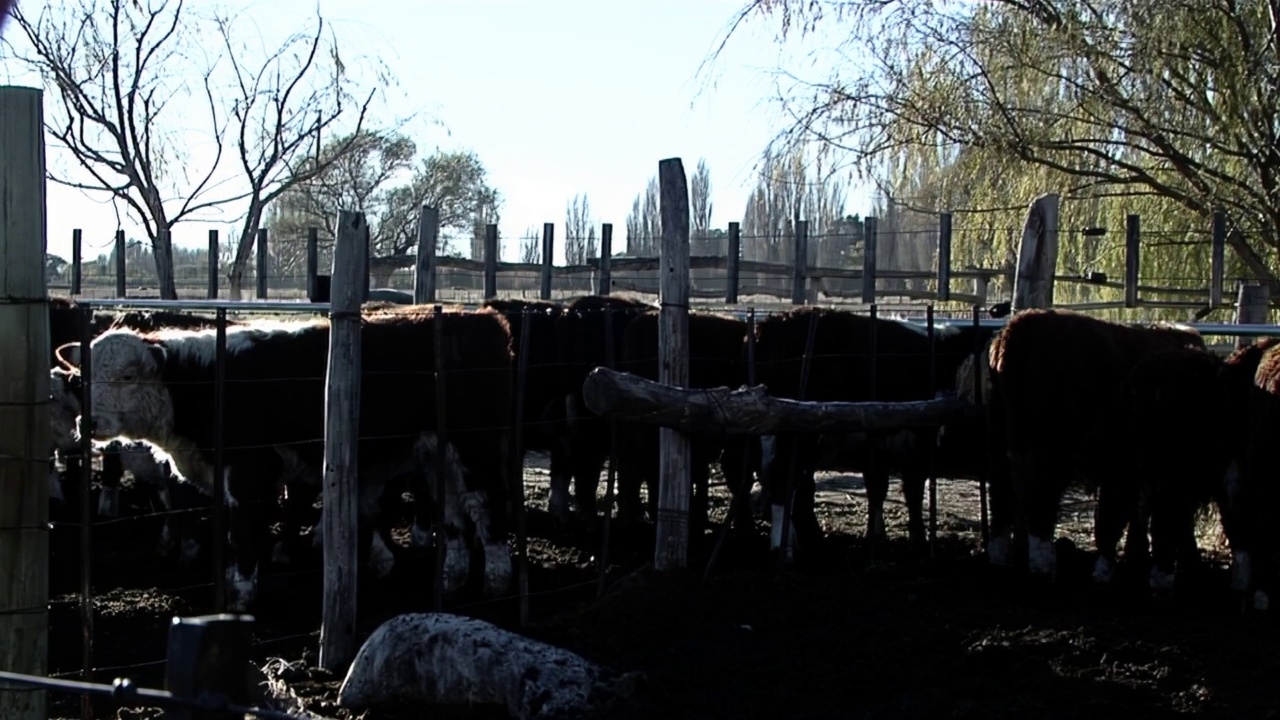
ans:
(68, 356)
(157, 354)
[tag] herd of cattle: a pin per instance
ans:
(1148, 418)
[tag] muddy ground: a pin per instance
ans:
(851, 634)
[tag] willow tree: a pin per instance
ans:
(1160, 107)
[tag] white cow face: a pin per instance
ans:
(129, 398)
(64, 411)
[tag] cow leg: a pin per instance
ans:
(1038, 489)
(913, 483)
(112, 474)
(165, 547)
(457, 560)
(876, 482)
(1172, 523)
(246, 532)
(700, 503)
(381, 560)
(561, 477)
(806, 530)
(588, 463)
(733, 465)
(1117, 498)
(1137, 542)
(1003, 516)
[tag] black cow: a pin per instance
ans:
(582, 347)
(159, 387)
(1058, 378)
(544, 396)
(715, 360)
(1183, 425)
(841, 369)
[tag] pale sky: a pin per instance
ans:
(556, 97)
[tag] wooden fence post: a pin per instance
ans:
(121, 287)
(548, 250)
(313, 260)
(24, 396)
(606, 259)
(342, 443)
(424, 274)
(1217, 263)
(1037, 255)
(490, 261)
(1253, 305)
(869, 244)
(213, 264)
(261, 269)
(76, 260)
(672, 548)
(731, 266)
(944, 257)
(1132, 250)
(800, 262)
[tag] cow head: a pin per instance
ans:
(129, 397)
(64, 394)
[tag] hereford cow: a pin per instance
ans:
(1252, 380)
(159, 387)
(841, 369)
(1058, 377)
(715, 360)
(582, 345)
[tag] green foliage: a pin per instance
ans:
(1163, 108)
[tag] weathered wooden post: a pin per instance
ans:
(869, 244)
(548, 252)
(800, 263)
(1252, 307)
(261, 269)
(731, 264)
(121, 267)
(213, 264)
(606, 259)
(1218, 258)
(424, 272)
(341, 443)
(490, 261)
(313, 260)
(944, 257)
(76, 260)
(1037, 255)
(672, 549)
(1132, 262)
(24, 397)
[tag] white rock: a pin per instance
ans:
(442, 659)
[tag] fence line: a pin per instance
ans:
(804, 276)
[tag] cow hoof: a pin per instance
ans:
(1000, 552)
(457, 564)
(1241, 570)
(497, 569)
(1261, 601)
(1042, 557)
(1102, 570)
(419, 537)
(279, 555)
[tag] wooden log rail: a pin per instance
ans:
(752, 411)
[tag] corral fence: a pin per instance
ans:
(834, 264)
(601, 277)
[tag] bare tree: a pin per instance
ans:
(109, 64)
(580, 241)
(283, 107)
(531, 246)
(644, 224)
(700, 210)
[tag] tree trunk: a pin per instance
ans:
(244, 250)
(162, 254)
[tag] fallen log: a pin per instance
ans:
(752, 411)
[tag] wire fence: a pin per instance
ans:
(533, 368)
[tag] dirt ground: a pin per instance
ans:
(849, 634)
